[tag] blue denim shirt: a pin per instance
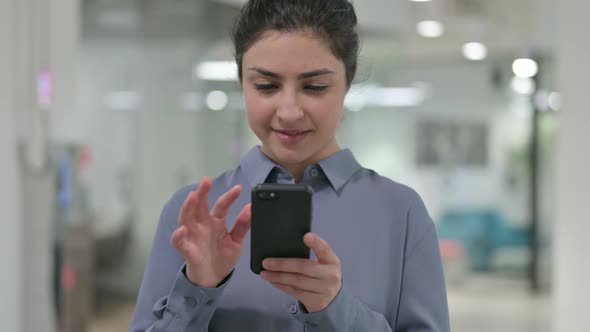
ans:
(386, 242)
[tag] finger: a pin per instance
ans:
(295, 280)
(202, 198)
(188, 207)
(225, 202)
(294, 292)
(179, 241)
(321, 248)
(242, 225)
(295, 265)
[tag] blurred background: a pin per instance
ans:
(108, 106)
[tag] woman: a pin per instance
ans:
(377, 265)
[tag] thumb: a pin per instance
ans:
(321, 249)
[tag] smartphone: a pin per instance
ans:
(281, 216)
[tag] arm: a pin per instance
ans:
(423, 300)
(192, 258)
(422, 304)
(167, 300)
(345, 313)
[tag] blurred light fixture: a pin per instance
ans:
(523, 85)
(554, 101)
(475, 51)
(525, 68)
(397, 97)
(430, 29)
(217, 71)
(355, 101)
(372, 95)
(217, 100)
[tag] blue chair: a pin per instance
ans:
(482, 232)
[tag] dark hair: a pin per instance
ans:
(333, 20)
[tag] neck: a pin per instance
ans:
(297, 169)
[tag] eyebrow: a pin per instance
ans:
(312, 73)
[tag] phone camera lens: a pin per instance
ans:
(272, 195)
(262, 195)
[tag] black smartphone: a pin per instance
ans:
(281, 216)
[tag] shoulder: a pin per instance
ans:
(395, 193)
(405, 202)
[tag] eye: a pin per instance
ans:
(265, 88)
(316, 88)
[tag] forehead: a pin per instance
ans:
(296, 52)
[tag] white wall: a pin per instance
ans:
(572, 228)
(11, 236)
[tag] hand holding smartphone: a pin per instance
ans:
(281, 216)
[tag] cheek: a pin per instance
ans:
(258, 111)
(329, 113)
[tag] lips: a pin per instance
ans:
(291, 132)
(291, 136)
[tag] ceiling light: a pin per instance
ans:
(217, 71)
(475, 51)
(525, 68)
(430, 29)
(217, 100)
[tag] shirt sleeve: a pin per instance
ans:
(423, 300)
(422, 303)
(167, 300)
(345, 313)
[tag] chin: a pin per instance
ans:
(289, 155)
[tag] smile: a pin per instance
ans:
(291, 136)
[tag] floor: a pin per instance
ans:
(480, 303)
(486, 304)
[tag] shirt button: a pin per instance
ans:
(190, 301)
(294, 309)
(314, 172)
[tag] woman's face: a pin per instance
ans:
(294, 90)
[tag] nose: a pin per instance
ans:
(289, 109)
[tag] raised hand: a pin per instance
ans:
(210, 250)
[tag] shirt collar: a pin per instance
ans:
(256, 166)
(338, 168)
